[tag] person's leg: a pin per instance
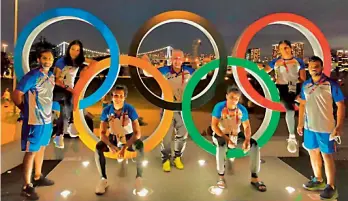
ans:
(30, 144)
(138, 147)
(221, 149)
(100, 161)
(166, 148)
(255, 164)
(59, 139)
(327, 149)
(39, 179)
(311, 143)
(179, 140)
(290, 122)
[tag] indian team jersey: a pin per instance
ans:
(68, 73)
(177, 81)
(38, 96)
(320, 97)
(119, 123)
(287, 70)
(230, 120)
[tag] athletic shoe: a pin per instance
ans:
(166, 166)
(28, 191)
(59, 141)
(314, 185)
(178, 164)
(292, 144)
(329, 193)
(101, 187)
(42, 181)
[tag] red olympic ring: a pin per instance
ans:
(306, 27)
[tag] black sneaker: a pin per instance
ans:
(314, 185)
(29, 192)
(329, 193)
(43, 181)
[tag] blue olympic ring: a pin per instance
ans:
(40, 22)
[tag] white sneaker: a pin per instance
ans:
(292, 144)
(101, 187)
(72, 131)
(59, 141)
(138, 184)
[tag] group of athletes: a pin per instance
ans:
(120, 129)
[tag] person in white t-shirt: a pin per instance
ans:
(289, 74)
(66, 70)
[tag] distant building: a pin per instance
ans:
(253, 54)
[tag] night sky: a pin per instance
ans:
(230, 17)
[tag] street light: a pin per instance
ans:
(4, 46)
(14, 44)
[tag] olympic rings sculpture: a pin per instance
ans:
(240, 66)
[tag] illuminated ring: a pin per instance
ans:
(313, 34)
(30, 32)
(269, 124)
(202, 24)
(88, 137)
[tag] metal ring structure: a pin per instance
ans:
(202, 24)
(31, 31)
(88, 137)
(269, 124)
(313, 34)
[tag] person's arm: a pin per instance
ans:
(133, 116)
(301, 111)
(216, 115)
(302, 70)
(215, 127)
(103, 128)
(265, 67)
(17, 97)
(338, 98)
(25, 84)
(136, 133)
(247, 129)
(341, 110)
(302, 75)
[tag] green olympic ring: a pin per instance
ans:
(269, 124)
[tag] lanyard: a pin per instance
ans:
(182, 74)
(315, 86)
(227, 111)
(286, 67)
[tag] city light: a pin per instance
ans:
(4, 46)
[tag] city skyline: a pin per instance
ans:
(230, 22)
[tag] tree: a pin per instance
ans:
(42, 43)
(5, 62)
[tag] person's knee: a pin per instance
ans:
(101, 147)
(314, 152)
(221, 141)
(253, 143)
(139, 145)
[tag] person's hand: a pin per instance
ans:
(230, 144)
(246, 145)
(336, 132)
(121, 154)
(300, 130)
(113, 148)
